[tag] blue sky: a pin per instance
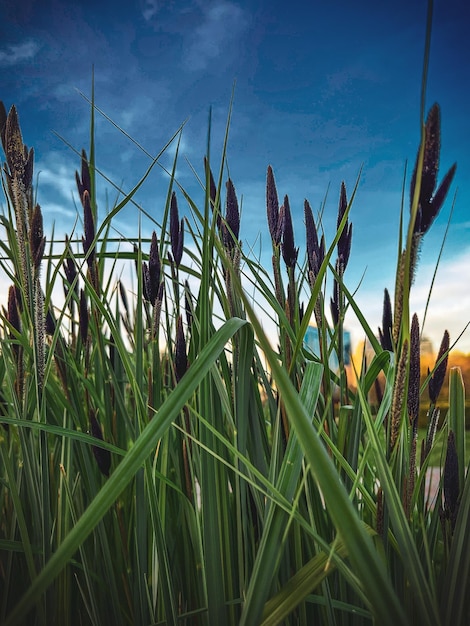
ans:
(322, 89)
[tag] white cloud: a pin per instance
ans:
(58, 175)
(449, 307)
(221, 24)
(18, 53)
(150, 9)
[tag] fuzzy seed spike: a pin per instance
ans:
(289, 251)
(437, 379)
(414, 374)
(272, 206)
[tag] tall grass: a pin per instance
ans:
(164, 462)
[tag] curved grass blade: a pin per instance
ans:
(368, 566)
(133, 460)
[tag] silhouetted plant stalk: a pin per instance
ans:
(385, 333)
(430, 199)
(18, 174)
(71, 282)
(126, 317)
(181, 366)
(434, 387)
(188, 305)
(153, 285)
(315, 257)
(13, 317)
(448, 513)
(398, 397)
(214, 200)
(398, 299)
(413, 407)
(282, 240)
(276, 226)
(176, 254)
(83, 325)
(230, 230)
(37, 245)
(88, 240)
(337, 301)
(425, 203)
(289, 254)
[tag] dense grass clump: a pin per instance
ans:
(163, 462)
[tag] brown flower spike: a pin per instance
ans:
(176, 231)
(272, 207)
(430, 198)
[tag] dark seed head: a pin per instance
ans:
(335, 300)
(432, 149)
(430, 201)
(36, 237)
(315, 252)
(15, 151)
(3, 121)
(13, 314)
(124, 300)
(70, 269)
(176, 231)
(89, 228)
(181, 359)
(154, 270)
(231, 227)
(344, 242)
(272, 207)
(289, 251)
(212, 192)
(385, 333)
(413, 380)
(188, 304)
(145, 281)
(437, 379)
(83, 180)
(83, 317)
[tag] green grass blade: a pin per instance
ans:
(371, 571)
(267, 558)
(455, 601)
(126, 469)
(457, 417)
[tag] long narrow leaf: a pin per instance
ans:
(126, 469)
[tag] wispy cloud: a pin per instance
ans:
(449, 307)
(57, 176)
(14, 54)
(222, 23)
(150, 9)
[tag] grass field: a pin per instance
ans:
(162, 461)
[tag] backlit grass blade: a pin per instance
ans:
(370, 570)
(456, 419)
(455, 601)
(134, 459)
(422, 597)
(267, 558)
(300, 586)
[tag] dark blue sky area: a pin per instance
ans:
(322, 89)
